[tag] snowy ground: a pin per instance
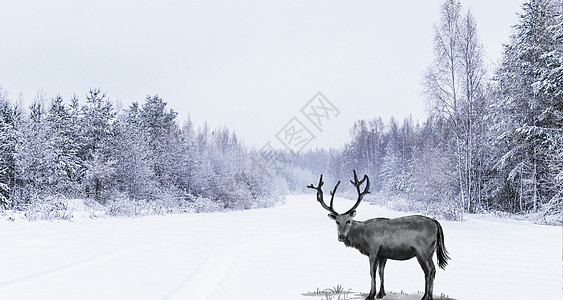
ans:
(276, 253)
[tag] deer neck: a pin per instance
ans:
(355, 238)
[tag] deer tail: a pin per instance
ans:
(441, 251)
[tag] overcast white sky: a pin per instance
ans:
(247, 65)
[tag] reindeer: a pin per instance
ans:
(382, 238)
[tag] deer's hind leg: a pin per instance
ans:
(429, 269)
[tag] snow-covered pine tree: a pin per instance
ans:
(163, 140)
(97, 144)
(522, 111)
(10, 117)
(31, 153)
(62, 159)
(550, 83)
(133, 170)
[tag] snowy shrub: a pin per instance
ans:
(445, 210)
(205, 205)
(50, 208)
(168, 201)
(552, 212)
(552, 219)
(234, 193)
(120, 205)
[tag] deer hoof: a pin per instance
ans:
(380, 295)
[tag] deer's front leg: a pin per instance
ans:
(373, 262)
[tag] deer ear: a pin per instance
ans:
(332, 216)
(353, 213)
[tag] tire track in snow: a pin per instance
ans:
(207, 276)
(72, 266)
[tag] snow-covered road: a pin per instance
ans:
(275, 253)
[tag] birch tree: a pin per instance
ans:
(453, 86)
(472, 72)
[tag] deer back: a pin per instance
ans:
(397, 238)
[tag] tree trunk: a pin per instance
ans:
(535, 176)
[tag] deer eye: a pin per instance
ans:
(348, 222)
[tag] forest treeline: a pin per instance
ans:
(134, 161)
(493, 141)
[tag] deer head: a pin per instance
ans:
(343, 221)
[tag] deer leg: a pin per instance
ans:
(430, 283)
(429, 269)
(373, 262)
(382, 262)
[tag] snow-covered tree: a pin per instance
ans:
(97, 141)
(10, 118)
(163, 138)
(62, 146)
(99, 170)
(526, 112)
(366, 149)
(550, 84)
(134, 174)
(396, 163)
(97, 116)
(392, 173)
(454, 90)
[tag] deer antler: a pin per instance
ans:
(320, 195)
(361, 195)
